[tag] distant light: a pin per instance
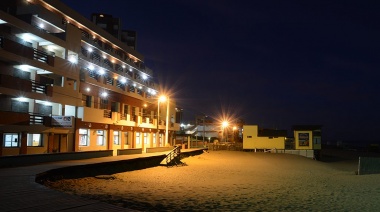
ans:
(88, 89)
(144, 76)
(104, 56)
(91, 67)
(89, 49)
(140, 87)
(123, 80)
(134, 84)
(123, 66)
(224, 123)
(101, 71)
(41, 25)
(104, 94)
(153, 92)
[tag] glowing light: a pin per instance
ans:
(73, 59)
(123, 80)
(104, 94)
(89, 49)
(224, 124)
(104, 56)
(88, 89)
(123, 66)
(144, 76)
(91, 67)
(41, 25)
(162, 98)
(101, 71)
(22, 99)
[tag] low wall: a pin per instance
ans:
(129, 151)
(189, 153)
(25, 160)
(305, 153)
(158, 149)
(105, 168)
(368, 165)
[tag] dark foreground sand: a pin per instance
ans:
(237, 181)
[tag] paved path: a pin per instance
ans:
(20, 192)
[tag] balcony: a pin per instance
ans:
(27, 52)
(7, 81)
(17, 118)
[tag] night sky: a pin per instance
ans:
(271, 63)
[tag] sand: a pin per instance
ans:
(236, 181)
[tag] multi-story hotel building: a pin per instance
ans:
(67, 85)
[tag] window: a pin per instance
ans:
(116, 137)
(83, 137)
(154, 138)
(103, 103)
(138, 141)
(100, 138)
(11, 140)
(145, 138)
(303, 139)
(160, 139)
(126, 138)
(249, 136)
(34, 140)
(86, 100)
(21, 107)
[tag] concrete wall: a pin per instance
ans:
(129, 151)
(24, 160)
(158, 149)
(106, 168)
(369, 165)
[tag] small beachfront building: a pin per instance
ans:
(262, 139)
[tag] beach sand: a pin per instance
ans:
(237, 181)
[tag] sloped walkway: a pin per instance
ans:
(20, 192)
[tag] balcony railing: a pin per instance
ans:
(16, 83)
(28, 52)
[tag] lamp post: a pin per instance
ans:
(224, 126)
(160, 99)
(163, 99)
(167, 122)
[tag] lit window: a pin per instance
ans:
(138, 141)
(100, 138)
(11, 140)
(116, 137)
(145, 138)
(83, 137)
(34, 140)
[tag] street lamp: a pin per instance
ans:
(163, 99)
(224, 126)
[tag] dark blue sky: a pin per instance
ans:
(271, 63)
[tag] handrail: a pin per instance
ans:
(173, 156)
